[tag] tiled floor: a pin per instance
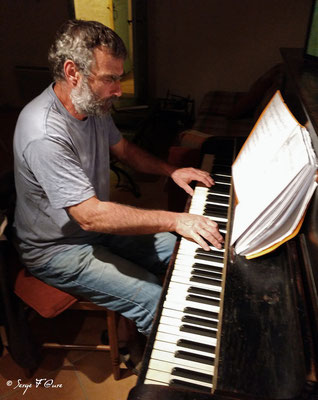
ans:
(78, 375)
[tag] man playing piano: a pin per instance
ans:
(68, 232)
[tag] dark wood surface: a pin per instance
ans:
(302, 76)
(268, 346)
(262, 353)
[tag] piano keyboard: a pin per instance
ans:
(184, 350)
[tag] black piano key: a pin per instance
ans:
(217, 198)
(219, 188)
(204, 292)
(213, 214)
(199, 321)
(203, 300)
(206, 281)
(198, 331)
(177, 383)
(200, 313)
(221, 178)
(194, 375)
(211, 209)
(214, 255)
(217, 208)
(194, 357)
(206, 267)
(206, 274)
(210, 254)
(206, 257)
(222, 225)
(189, 344)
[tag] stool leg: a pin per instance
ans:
(112, 320)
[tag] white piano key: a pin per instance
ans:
(180, 307)
(182, 266)
(170, 359)
(186, 270)
(173, 347)
(178, 322)
(152, 382)
(185, 277)
(180, 304)
(165, 377)
(215, 218)
(168, 312)
(189, 272)
(173, 330)
(193, 246)
(182, 289)
(202, 203)
(171, 338)
(187, 259)
(186, 280)
(167, 367)
(186, 255)
(218, 179)
(201, 191)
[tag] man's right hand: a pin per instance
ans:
(199, 229)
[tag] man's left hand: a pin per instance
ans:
(184, 176)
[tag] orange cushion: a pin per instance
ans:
(46, 300)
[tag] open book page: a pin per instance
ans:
(266, 222)
(281, 223)
(291, 195)
(272, 129)
(285, 230)
(272, 175)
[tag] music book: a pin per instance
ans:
(274, 178)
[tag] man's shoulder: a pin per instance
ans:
(38, 117)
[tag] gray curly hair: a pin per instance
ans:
(76, 41)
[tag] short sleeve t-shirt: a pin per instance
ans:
(60, 161)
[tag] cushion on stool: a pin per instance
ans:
(43, 298)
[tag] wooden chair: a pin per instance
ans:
(46, 300)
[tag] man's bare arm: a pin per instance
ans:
(142, 161)
(110, 217)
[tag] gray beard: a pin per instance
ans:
(85, 101)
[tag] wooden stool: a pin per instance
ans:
(50, 302)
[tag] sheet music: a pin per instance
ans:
(275, 167)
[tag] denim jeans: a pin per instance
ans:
(118, 272)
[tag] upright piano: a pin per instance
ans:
(232, 328)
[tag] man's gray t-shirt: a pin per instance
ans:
(60, 161)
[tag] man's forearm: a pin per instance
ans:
(110, 217)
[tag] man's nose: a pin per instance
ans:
(117, 89)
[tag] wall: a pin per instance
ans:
(27, 28)
(196, 46)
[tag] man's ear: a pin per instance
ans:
(71, 73)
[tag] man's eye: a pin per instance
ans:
(111, 79)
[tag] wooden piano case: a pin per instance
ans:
(269, 334)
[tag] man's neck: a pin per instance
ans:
(63, 91)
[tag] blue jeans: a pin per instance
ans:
(118, 272)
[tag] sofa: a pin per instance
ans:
(221, 114)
